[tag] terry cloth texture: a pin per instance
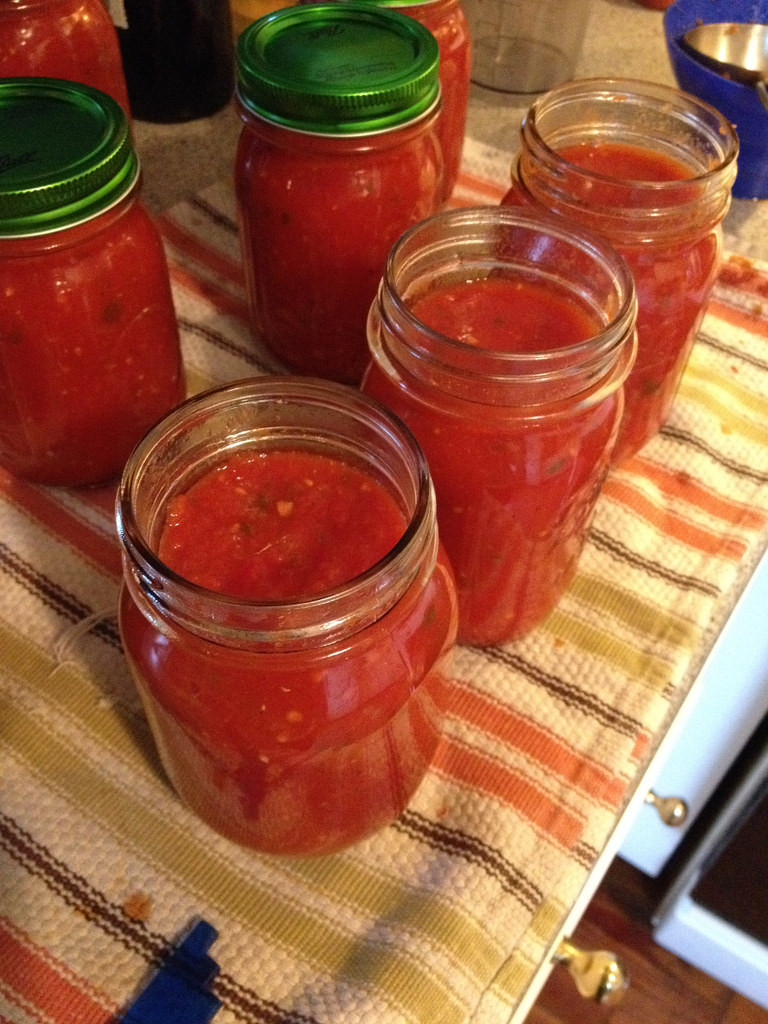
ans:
(446, 915)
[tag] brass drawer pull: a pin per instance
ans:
(673, 810)
(597, 974)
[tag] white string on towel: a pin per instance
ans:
(65, 644)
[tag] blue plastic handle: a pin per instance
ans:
(178, 993)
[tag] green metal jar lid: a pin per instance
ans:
(65, 154)
(338, 69)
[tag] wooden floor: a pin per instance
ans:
(663, 988)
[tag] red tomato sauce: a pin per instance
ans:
(318, 217)
(514, 492)
(627, 162)
(279, 525)
(302, 751)
(448, 24)
(71, 39)
(673, 278)
(89, 347)
(506, 315)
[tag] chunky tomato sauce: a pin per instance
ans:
(514, 491)
(673, 277)
(318, 217)
(89, 347)
(298, 751)
(280, 525)
(71, 39)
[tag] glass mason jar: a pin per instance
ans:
(650, 168)
(502, 337)
(71, 39)
(328, 175)
(300, 724)
(447, 22)
(89, 344)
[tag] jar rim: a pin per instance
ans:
(597, 359)
(704, 195)
(675, 101)
(261, 623)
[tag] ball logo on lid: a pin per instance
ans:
(325, 31)
(8, 160)
(67, 154)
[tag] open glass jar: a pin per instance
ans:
(298, 723)
(650, 168)
(502, 338)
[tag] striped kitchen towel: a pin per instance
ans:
(446, 915)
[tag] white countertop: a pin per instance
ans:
(623, 40)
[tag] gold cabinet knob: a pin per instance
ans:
(673, 810)
(597, 974)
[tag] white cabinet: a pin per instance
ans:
(715, 910)
(725, 704)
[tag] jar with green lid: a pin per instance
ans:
(89, 344)
(446, 20)
(338, 155)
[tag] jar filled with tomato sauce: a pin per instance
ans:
(89, 344)
(337, 157)
(650, 168)
(503, 337)
(71, 39)
(287, 611)
(447, 22)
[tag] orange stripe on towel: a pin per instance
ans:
(749, 320)
(673, 525)
(548, 750)
(678, 484)
(32, 978)
(469, 187)
(219, 298)
(191, 246)
(484, 774)
(96, 547)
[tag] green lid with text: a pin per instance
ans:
(65, 154)
(338, 69)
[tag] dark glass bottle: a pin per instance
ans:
(178, 56)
